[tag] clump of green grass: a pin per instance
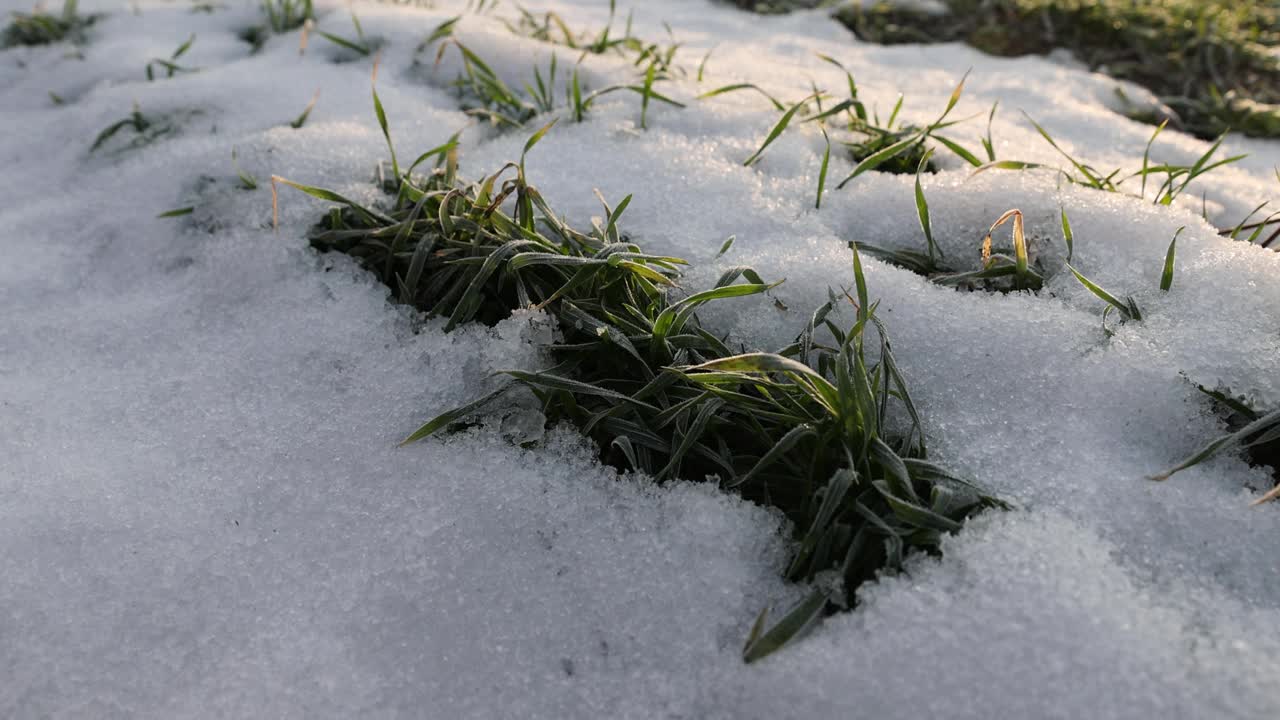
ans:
(482, 93)
(823, 429)
(142, 129)
(247, 180)
(1212, 61)
(286, 15)
(449, 248)
(280, 16)
(256, 36)
(883, 147)
(40, 28)
(805, 429)
(550, 27)
(886, 146)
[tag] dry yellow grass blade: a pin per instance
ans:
(1271, 495)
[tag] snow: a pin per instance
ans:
(203, 512)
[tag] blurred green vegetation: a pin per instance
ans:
(1214, 63)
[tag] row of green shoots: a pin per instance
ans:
(870, 141)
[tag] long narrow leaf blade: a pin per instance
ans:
(445, 419)
(778, 129)
(1166, 277)
(790, 627)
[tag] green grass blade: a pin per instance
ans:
(702, 66)
(533, 140)
(386, 132)
(1260, 425)
(1124, 309)
(1007, 165)
(690, 437)
(743, 86)
(987, 143)
(555, 382)
(833, 110)
(1235, 232)
(437, 151)
(1094, 181)
(372, 217)
(611, 229)
(674, 317)
(802, 617)
(649, 93)
(917, 515)
(1166, 277)
(778, 129)
(446, 419)
(343, 42)
(441, 31)
(1253, 237)
(1146, 156)
(1067, 236)
(922, 209)
(623, 443)
(775, 453)
(649, 76)
(954, 99)
(860, 282)
(859, 109)
(579, 108)
(247, 181)
(183, 48)
(108, 133)
(525, 259)
(874, 160)
(958, 149)
(815, 384)
(897, 108)
(822, 171)
(896, 474)
(301, 120)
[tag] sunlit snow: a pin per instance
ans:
(203, 511)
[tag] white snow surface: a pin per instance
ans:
(203, 512)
